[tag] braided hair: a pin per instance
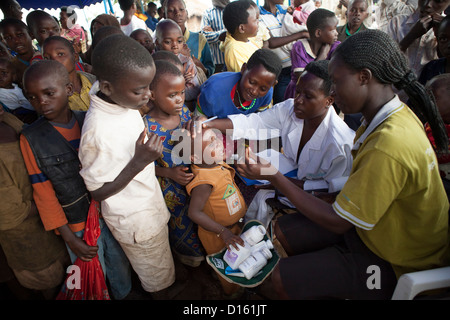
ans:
(377, 51)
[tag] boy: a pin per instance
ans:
(197, 43)
(50, 150)
(241, 21)
(18, 39)
(118, 160)
(129, 22)
(216, 204)
(42, 25)
(60, 49)
(170, 37)
(357, 14)
(144, 38)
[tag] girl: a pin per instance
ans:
(321, 26)
(376, 216)
(167, 114)
(60, 49)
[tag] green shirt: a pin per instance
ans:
(394, 195)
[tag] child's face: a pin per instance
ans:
(44, 28)
(145, 40)
(212, 147)
(172, 40)
(442, 97)
(176, 11)
(357, 13)
(49, 95)
(444, 39)
(55, 50)
(168, 94)
(255, 82)
(6, 75)
(328, 33)
(346, 90)
(429, 7)
(310, 101)
(251, 27)
(132, 90)
(18, 39)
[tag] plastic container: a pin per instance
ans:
(253, 264)
(235, 257)
(260, 245)
(254, 235)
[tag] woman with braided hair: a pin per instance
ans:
(392, 213)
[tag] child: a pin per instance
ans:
(241, 21)
(315, 140)
(169, 37)
(415, 33)
(441, 65)
(321, 25)
(18, 39)
(394, 160)
(117, 160)
(130, 22)
(167, 114)
(439, 87)
(38, 258)
(11, 95)
(216, 204)
(144, 38)
(243, 92)
(60, 49)
(50, 150)
(42, 25)
(357, 13)
(196, 42)
(297, 16)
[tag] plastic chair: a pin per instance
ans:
(409, 285)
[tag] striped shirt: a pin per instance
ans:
(273, 22)
(213, 18)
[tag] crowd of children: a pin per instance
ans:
(155, 125)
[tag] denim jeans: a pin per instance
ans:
(115, 264)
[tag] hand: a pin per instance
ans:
(421, 27)
(193, 125)
(82, 250)
(207, 29)
(231, 239)
(343, 3)
(189, 73)
(255, 168)
(179, 174)
(149, 151)
(185, 50)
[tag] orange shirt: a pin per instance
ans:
(50, 210)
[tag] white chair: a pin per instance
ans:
(411, 284)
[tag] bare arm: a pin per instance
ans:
(276, 42)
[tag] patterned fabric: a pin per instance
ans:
(182, 231)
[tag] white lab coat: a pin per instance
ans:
(325, 160)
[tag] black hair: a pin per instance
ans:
(160, 26)
(377, 51)
(125, 4)
(118, 54)
(12, 21)
(62, 40)
(165, 2)
(235, 14)
(136, 31)
(268, 59)
(167, 56)
(46, 68)
(162, 68)
(103, 33)
(446, 19)
(318, 19)
(319, 68)
(34, 16)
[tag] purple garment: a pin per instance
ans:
(300, 57)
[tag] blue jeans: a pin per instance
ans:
(115, 264)
(283, 80)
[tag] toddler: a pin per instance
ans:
(295, 20)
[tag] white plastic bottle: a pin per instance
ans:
(235, 257)
(255, 262)
(254, 235)
(262, 244)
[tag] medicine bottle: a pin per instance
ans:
(255, 262)
(254, 235)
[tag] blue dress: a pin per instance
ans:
(215, 96)
(183, 236)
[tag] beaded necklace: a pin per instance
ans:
(240, 102)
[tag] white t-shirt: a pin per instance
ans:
(134, 24)
(14, 98)
(138, 212)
